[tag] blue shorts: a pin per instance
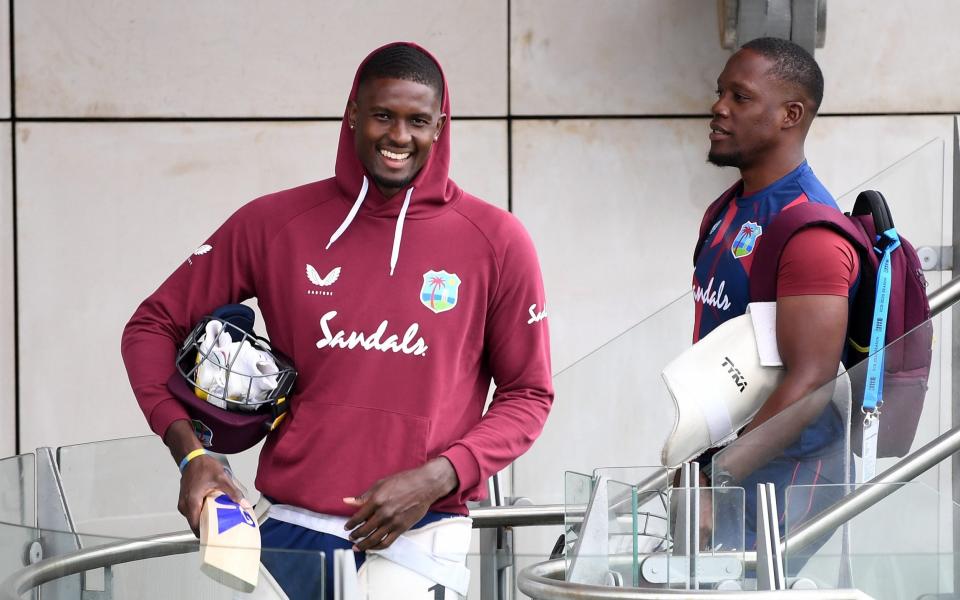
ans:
(299, 573)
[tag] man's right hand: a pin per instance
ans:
(202, 476)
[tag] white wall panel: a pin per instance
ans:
(242, 58)
(7, 313)
(614, 57)
(107, 210)
(613, 206)
(5, 59)
(889, 56)
(479, 160)
(845, 152)
(663, 56)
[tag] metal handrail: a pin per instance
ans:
(520, 516)
(944, 296)
(544, 581)
(169, 544)
(874, 491)
(48, 569)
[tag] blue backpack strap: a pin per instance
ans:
(872, 203)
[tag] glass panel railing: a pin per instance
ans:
(705, 549)
(17, 513)
(623, 522)
(577, 489)
(631, 420)
(645, 507)
(813, 450)
(604, 542)
(914, 189)
(613, 400)
(890, 550)
(623, 535)
(143, 468)
(806, 442)
(151, 569)
(18, 490)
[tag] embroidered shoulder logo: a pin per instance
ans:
(199, 252)
(314, 277)
(440, 290)
(746, 239)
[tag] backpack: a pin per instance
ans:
(906, 367)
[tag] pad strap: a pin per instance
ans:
(403, 551)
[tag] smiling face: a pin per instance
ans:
(751, 112)
(395, 123)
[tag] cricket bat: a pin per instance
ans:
(229, 543)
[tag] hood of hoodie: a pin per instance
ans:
(432, 188)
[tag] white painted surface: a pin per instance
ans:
(7, 312)
(883, 57)
(619, 57)
(242, 58)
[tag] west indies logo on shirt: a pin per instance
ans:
(746, 239)
(440, 290)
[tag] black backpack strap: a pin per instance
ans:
(872, 202)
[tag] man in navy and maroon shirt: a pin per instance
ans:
(767, 97)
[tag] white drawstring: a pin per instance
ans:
(399, 232)
(351, 214)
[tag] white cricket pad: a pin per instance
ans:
(445, 542)
(717, 386)
(267, 589)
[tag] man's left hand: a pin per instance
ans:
(394, 504)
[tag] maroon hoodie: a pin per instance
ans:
(395, 322)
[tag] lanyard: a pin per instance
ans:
(887, 242)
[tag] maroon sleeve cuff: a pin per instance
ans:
(464, 463)
(164, 414)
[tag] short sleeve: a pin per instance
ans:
(817, 261)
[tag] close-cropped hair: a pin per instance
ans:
(793, 64)
(403, 62)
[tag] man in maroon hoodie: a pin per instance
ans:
(398, 297)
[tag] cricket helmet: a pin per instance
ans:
(234, 386)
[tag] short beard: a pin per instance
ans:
(725, 160)
(392, 184)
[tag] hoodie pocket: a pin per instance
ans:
(348, 448)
